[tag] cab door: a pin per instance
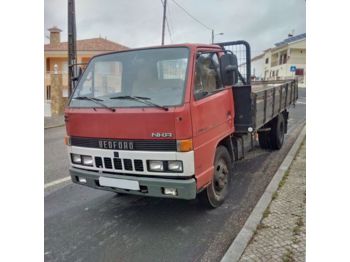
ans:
(212, 113)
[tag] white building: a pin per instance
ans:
(286, 60)
(257, 67)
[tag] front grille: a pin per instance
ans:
(140, 145)
(108, 163)
(117, 163)
(138, 165)
(127, 164)
(98, 162)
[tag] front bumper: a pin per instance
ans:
(149, 186)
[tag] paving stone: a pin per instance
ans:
(279, 233)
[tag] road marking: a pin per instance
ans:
(298, 102)
(56, 182)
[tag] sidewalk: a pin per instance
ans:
(53, 121)
(281, 234)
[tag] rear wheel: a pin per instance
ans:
(277, 132)
(264, 139)
(214, 195)
(274, 138)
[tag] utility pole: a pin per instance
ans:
(72, 46)
(213, 35)
(164, 17)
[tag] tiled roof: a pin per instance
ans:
(93, 44)
(291, 39)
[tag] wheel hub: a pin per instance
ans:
(221, 176)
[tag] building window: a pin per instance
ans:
(267, 60)
(107, 78)
(283, 59)
(47, 64)
(48, 92)
(172, 69)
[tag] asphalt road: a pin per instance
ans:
(83, 224)
(55, 157)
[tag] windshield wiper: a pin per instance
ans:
(95, 100)
(141, 99)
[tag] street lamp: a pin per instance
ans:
(213, 34)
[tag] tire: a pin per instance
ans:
(277, 132)
(215, 194)
(264, 139)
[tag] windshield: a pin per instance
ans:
(158, 75)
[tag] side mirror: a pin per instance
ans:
(80, 73)
(229, 69)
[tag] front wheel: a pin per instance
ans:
(214, 195)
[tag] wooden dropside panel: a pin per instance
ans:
(270, 99)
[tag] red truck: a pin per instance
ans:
(170, 121)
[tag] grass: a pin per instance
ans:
(262, 226)
(284, 179)
(266, 212)
(297, 228)
(275, 195)
(300, 222)
(296, 241)
(288, 256)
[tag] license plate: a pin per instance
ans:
(119, 183)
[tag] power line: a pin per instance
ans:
(207, 27)
(169, 17)
(167, 23)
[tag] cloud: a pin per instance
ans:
(138, 22)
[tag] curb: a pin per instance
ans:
(241, 241)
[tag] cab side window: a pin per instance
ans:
(207, 75)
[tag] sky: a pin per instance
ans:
(138, 23)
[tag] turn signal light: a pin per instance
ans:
(184, 145)
(67, 140)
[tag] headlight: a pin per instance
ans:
(76, 159)
(155, 165)
(82, 160)
(175, 166)
(87, 160)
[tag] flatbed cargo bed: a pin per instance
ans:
(257, 102)
(270, 98)
(261, 101)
